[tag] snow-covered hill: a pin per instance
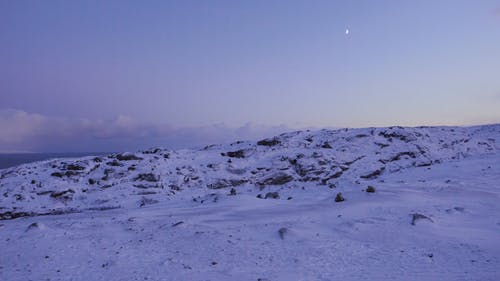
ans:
(418, 204)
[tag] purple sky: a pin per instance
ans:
(123, 75)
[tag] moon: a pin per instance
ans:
(347, 31)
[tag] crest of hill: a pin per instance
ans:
(291, 160)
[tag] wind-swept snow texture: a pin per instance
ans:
(270, 210)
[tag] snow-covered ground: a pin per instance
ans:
(203, 214)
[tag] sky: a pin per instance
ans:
(124, 75)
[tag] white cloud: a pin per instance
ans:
(23, 131)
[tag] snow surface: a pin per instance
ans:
(197, 215)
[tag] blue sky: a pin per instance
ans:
(265, 65)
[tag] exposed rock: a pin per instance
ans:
(142, 186)
(177, 223)
(127, 157)
(272, 195)
(14, 215)
(277, 179)
(223, 183)
(399, 155)
(57, 174)
(269, 142)
(339, 197)
(74, 167)
(66, 193)
(390, 135)
(348, 163)
(114, 163)
(31, 226)
(334, 176)
(175, 187)
(155, 150)
(147, 201)
(417, 216)
(150, 177)
(326, 145)
(282, 231)
(373, 174)
(235, 154)
(370, 189)
(381, 145)
(71, 173)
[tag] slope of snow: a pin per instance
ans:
(171, 215)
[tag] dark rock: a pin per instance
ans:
(424, 164)
(232, 192)
(149, 177)
(236, 154)
(32, 226)
(57, 174)
(277, 179)
(282, 231)
(399, 155)
(326, 145)
(301, 169)
(223, 183)
(146, 186)
(334, 176)
(91, 181)
(390, 135)
(353, 161)
(114, 163)
(65, 193)
(373, 174)
(381, 145)
(339, 197)
(15, 215)
(175, 187)
(272, 195)
(177, 223)
(147, 201)
(146, 193)
(361, 136)
(74, 167)
(71, 173)
(152, 151)
(417, 216)
(370, 189)
(269, 142)
(127, 157)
